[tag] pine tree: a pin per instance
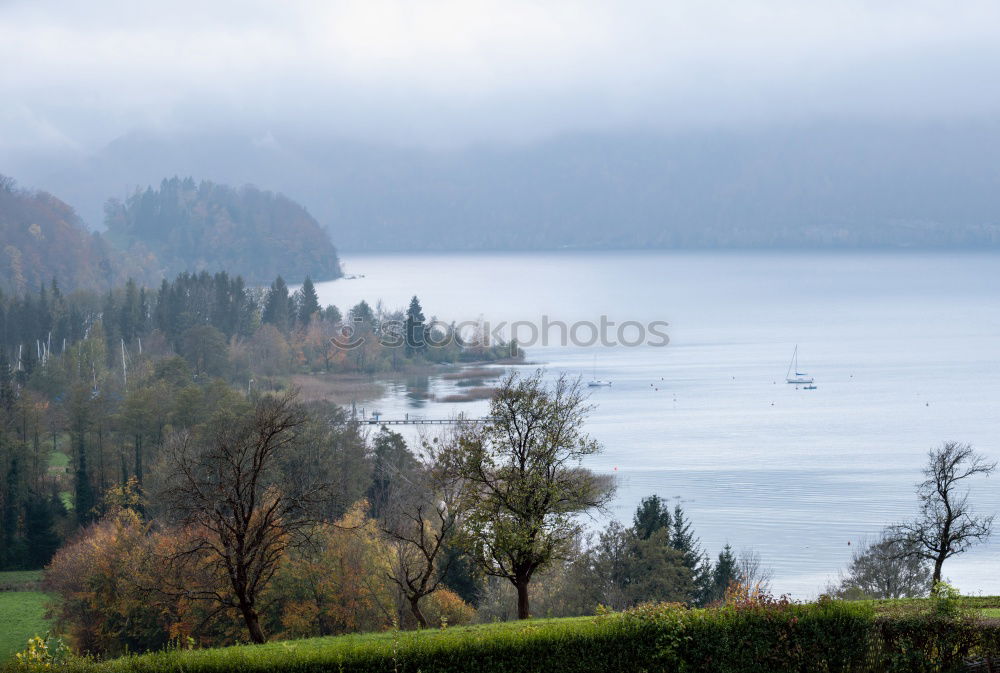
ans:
(41, 538)
(276, 307)
(651, 515)
(130, 318)
(724, 574)
(79, 412)
(682, 539)
(7, 394)
(331, 314)
(308, 301)
(415, 337)
(362, 314)
(10, 516)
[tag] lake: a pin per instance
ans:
(904, 347)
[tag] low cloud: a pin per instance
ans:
(452, 72)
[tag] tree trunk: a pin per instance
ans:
(417, 614)
(252, 620)
(938, 562)
(523, 611)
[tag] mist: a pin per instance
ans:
(454, 73)
(459, 115)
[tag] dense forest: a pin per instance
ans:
(43, 238)
(97, 379)
(116, 487)
(189, 226)
(156, 234)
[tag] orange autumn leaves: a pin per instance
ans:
(117, 590)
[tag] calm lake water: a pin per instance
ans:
(905, 349)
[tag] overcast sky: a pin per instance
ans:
(439, 72)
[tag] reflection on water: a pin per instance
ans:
(905, 350)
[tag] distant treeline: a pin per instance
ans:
(225, 329)
(189, 226)
(97, 378)
(156, 234)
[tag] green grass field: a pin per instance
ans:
(15, 577)
(22, 615)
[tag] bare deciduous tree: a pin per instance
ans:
(419, 518)
(752, 574)
(528, 484)
(228, 492)
(946, 524)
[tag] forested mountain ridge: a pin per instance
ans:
(42, 238)
(154, 234)
(189, 226)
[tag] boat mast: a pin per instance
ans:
(793, 363)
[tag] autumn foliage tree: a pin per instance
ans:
(228, 490)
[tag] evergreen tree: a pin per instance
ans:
(130, 314)
(308, 301)
(276, 308)
(7, 394)
(13, 546)
(41, 538)
(84, 499)
(331, 314)
(682, 538)
(724, 574)
(362, 313)
(415, 337)
(651, 515)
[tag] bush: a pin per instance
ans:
(747, 637)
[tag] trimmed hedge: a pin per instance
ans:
(776, 637)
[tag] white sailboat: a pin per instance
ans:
(794, 375)
(596, 382)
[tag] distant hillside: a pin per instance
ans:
(844, 185)
(42, 238)
(189, 226)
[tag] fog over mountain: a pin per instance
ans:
(461, 125)
(830, 185)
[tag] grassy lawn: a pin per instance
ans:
(370, 651)
(14, 577)
(22, 615)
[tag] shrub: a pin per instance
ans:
(765, 634)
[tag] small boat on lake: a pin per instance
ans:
(596, 382)
(793, 366)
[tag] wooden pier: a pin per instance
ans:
(418, 421)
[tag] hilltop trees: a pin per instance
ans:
(188, 226)
(43, 238)
(524, 469)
